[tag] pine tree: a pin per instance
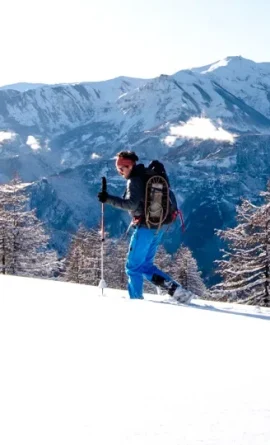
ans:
(245, 266)
(115, 261)
(3, 236)
(83, 261)
(163, 260)
(185, 270)
(91, 264)
(73, 259)
(23, 241)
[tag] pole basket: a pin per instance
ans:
(102, 284)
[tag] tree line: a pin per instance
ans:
(25, 251)
(244, 267)
(82, 263)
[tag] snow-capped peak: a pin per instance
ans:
(215, 65)
(219, 64)
(231, 63)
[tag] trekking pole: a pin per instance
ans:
(102, 283)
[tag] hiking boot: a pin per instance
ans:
(172, 288)
(180, 294)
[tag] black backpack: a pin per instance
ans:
(160, 203)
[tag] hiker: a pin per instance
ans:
(144, 240)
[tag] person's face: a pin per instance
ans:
(124, 170)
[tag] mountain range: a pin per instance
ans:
(209, 125)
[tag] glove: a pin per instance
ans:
(102, 196)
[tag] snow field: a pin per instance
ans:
(79, 368)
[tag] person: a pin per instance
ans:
(144, 241)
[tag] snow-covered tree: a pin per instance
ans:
(73, 270)
(245, 265)
(163, 259)
(23, 240)
(3, 238)
(115, 261)
(83, 261)
(184, 269)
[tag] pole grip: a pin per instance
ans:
(104, 184)
(104, 189)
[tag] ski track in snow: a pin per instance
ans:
(79, 368)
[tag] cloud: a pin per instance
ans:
(198, 128)
(33, 143)
(6, 135)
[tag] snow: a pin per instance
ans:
(95, 156)
(100, 140)
(33, 143)
(231, 64)
(86, 136)
(55, 107)
(81, 368)
(217, 162)
(6, 136)
(8, 188)
(138, 105)
(216, 65)
(244, 78)
(110, 90)
(164, 98)
(22, 86)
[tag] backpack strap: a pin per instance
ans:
(181, 219)
(175, 214)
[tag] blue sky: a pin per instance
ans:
(85, 40)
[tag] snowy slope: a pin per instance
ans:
(79, 368)
(177, 99)
(244, 78)
(141, 104)
(22, 86)
(111, 88)
(62, 107)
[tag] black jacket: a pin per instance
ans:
(134, 196)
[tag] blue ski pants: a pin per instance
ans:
(140, 260)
